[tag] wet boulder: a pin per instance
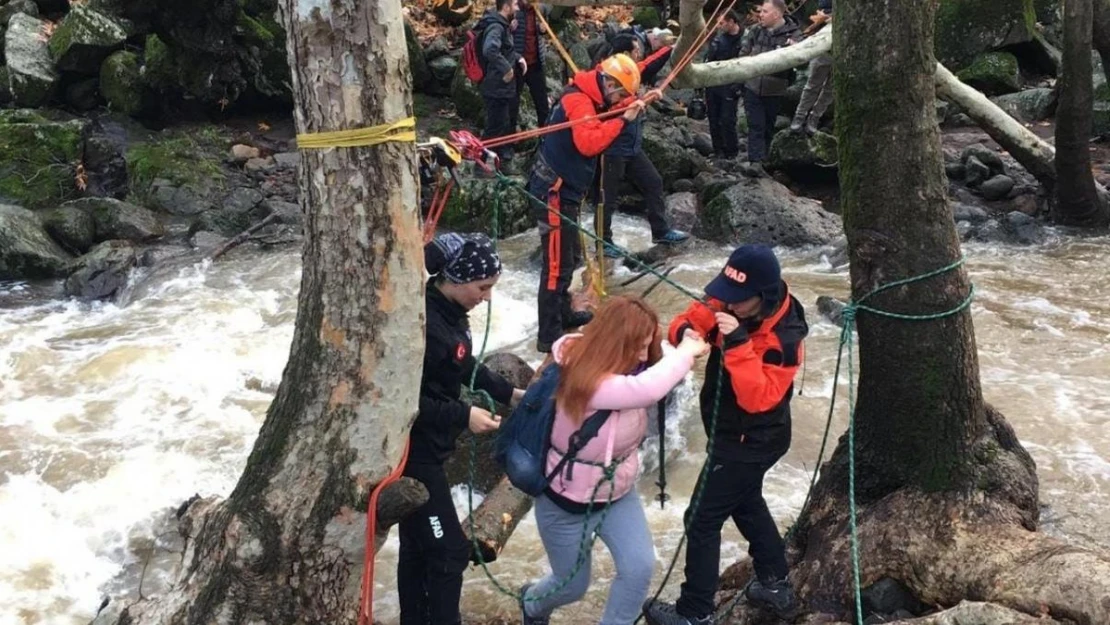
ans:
(1031, 105)
(471, 207)
(73, 228)
(31, 74)
(993, 73)
(761, 210)
(84, 38)
(26, 250)
(116, 219)
(103, 272)
(967, 28)
(796, 152)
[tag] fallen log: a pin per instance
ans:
(396, 502)
(240, 238)
(496, 519)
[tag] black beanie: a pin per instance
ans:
(462, 258)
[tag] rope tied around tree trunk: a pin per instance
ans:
(402, 131)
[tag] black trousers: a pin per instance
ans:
(537, 86)
(433, 554)
(761, 112)
(722, 111)
(733, 489)
(500, 121)
(559, 241)
(645, 177)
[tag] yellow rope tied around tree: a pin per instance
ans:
(401, 131)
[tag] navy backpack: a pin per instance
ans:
(524, 440)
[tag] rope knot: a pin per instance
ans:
(851, 309)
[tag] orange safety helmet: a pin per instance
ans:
(621, 68)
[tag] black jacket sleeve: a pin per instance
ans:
(496, 63)
(437, 410)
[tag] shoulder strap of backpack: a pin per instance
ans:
(579, 439)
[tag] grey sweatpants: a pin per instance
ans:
(818, 92)
(626, 534)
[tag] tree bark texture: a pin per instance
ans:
(1077, 199)
(287, 545)
(496, 518)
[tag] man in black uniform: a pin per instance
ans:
(434, 551)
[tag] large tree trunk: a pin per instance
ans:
(288, 543)
(931, 458)
(1077, 199)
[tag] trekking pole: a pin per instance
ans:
(661, 416)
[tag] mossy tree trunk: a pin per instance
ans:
(1077, 199)
(287, 545)
(939, 473)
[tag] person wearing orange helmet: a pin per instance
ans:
(562, 174)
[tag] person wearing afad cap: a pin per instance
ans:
(758, 327)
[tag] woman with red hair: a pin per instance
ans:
(616, 364)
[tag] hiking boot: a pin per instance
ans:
(524, 618)
(811, 128)
(796, 126)
(660, 613)
(775, 595)
(672, 237)
(577, 319)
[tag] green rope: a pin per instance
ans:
(850, 313)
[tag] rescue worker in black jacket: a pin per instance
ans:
(758, 328)
(434, 552)
(722, 102)
(501, 65)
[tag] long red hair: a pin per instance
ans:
(610, 344)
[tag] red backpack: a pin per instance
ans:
(472, 56)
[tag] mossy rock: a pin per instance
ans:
(84, 39)
(38, 158)
(73, 228)
(968, 28)
(993, 73)
(187, 157)
(796, 150)
(121, 82)
(468, 102)
(5, 90)
(471, 208)
(648, 17)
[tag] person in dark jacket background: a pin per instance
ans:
(758, 328)
(625, 158)
(763, 95)
(563, 173)
(722, 101)
(818, 92)
(528, 43)
(434, 552)
(501, 65)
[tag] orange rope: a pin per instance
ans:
(366, 612)
(435, 210)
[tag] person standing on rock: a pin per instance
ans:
(818, 92)
(528, 43)
(616, 365)
(722, 102)
(434, 552)
(757, 327)
(501, 65)
(563, 173)
(763, 95)
(625, 158)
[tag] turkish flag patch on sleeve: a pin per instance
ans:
(460, 352)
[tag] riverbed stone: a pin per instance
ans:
(26, 250)
(31, 74)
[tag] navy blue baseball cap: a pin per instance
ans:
(751, 270)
